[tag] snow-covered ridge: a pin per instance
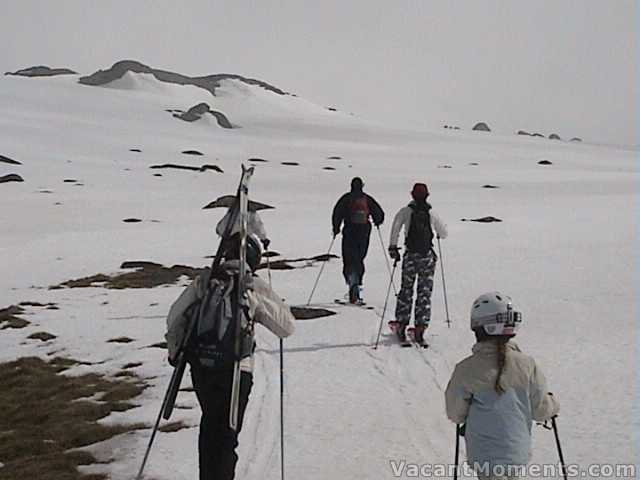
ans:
(209, 82)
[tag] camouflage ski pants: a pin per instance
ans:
(423, 267)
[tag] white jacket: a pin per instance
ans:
(254, 225)
(403, 220)
(265, 307)
(498, 427)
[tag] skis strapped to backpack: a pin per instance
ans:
(241, 298)
(193, 313)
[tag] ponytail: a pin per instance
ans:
(502, 360)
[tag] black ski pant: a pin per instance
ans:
(355, 245)
(217, 442)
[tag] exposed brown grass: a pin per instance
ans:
(9, 317)
(145, 275)
(44, 414)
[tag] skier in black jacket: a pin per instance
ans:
(354, 209)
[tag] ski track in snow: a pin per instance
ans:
(349, 409)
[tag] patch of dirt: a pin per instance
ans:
(44, 414)
(173, 427)
(146, 275)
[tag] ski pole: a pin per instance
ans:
(455, 471)
(444, 284)
(386, 301)
(384, 254)
(281, 409)
(321, 269)
(555, 431)
(153, 436)
(281, 389)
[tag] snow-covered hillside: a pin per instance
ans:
(565, 251)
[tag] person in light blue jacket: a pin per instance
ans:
(498, 392)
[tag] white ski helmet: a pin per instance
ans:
(495, 314)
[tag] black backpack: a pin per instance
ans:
(212, 343)
(420, 236)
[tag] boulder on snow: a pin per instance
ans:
(554, 136)
(41, 71)
(481, 127)
(545, 162)
(12, 177)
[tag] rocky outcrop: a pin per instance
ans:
(481, 127)
(209, 82)
(196, 112)
(41, 71)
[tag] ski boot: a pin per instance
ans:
(418, 335)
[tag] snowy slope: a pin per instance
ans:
(564, 251)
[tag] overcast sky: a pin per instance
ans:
(564, 66)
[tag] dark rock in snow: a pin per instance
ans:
(554, 136)
(192, 152)
(69, 180)
(334, 157)
(481, 127)
(308, 313)
(257, 160)
(522, 132)
(489, 186)
(209, 82)
(136, 150)
(8, 160)
(482, 219)
(12, 177)
(41, 71)
(328, 168)
(538, 135)
(474, 164)
(196, 112)
(445, 166)
(42, 336)
(576, 139)
(331, 109)
(203, 168)
(131, 220)
(291, 164)
(545, 162)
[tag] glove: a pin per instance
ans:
(265, 243)
(394, 253)
(172, 361)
